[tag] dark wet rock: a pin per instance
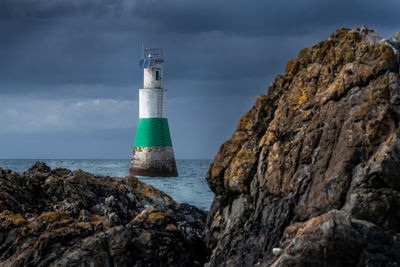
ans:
(312, 169)
(73, 218)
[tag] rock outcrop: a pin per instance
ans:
(64, 218)
(311, 176)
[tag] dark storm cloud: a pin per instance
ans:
(235, 16)
(48, 43)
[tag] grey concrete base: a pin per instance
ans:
(153, 162)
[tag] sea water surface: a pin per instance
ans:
(189, 187)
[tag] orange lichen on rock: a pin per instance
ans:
(9, 218)
(96, 220)
(156, 218)
(267, 139)
(84, 225)
(292, 66)
(303, 56)
(52, 216)
(303, 97)
(17, 219)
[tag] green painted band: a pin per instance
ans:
(153, 132)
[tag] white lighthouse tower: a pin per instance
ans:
(153, 154)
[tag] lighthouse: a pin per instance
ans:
(153, 154)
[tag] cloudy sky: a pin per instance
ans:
(69, 75)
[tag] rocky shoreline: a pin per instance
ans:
(310, 177)
(72, 218)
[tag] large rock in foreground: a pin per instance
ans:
(313, 170)
(64, 218)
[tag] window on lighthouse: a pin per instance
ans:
(157, 75)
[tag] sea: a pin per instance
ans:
(189, 187)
